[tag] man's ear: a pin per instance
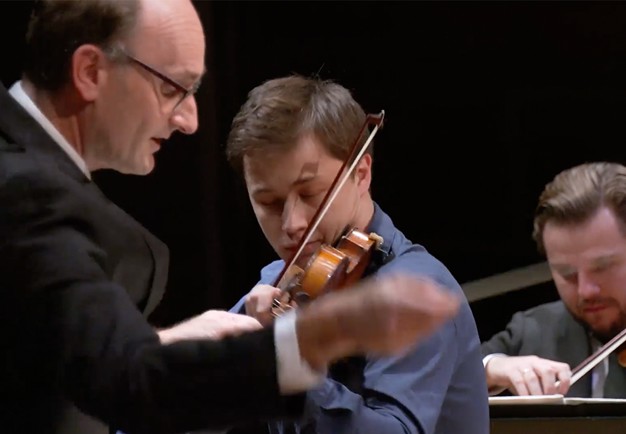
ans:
(88, 62)
(363, 173)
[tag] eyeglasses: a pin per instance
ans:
(179, 88)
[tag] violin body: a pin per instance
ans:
(330, 268)
(621, 356)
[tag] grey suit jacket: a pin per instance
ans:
(547, 331)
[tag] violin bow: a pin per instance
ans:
(590, 362)
(353, 158)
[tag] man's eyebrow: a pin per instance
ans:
(308, 172)
(604, 259)
(599, 260)
(192, 77)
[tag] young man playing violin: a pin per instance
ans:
(580, 225)
(289, 141)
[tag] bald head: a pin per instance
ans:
(169, 33)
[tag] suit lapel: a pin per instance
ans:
(21, 130)
(160, 256)
(158, 250)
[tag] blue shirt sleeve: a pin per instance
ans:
(240, 306)
(267, 276)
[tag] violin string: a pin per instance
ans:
(277, 306)
(335, 192)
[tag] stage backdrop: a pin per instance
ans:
(485, 102)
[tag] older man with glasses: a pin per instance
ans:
(176, 91)
(78, 276)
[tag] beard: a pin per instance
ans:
(604, 334)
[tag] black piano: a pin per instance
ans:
(593, 417)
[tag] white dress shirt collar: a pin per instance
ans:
(17, 92)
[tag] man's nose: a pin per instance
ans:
(185, 116)
(295, 218)
(587, 287)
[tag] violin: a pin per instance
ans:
(336, 266)
(617, 344)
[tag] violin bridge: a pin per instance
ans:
(377, 239)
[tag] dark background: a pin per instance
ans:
(485, 103)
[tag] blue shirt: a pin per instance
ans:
(437, 387)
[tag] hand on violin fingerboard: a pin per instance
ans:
(259, 303)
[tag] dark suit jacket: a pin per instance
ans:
(78, 277)
(548, 331)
